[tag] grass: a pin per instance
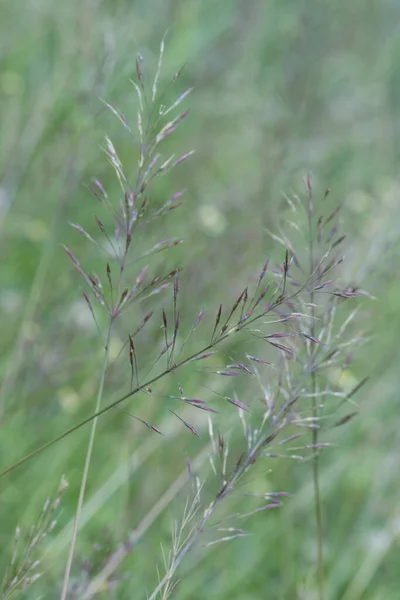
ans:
(275, 112)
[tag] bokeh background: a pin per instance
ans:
(280, 88)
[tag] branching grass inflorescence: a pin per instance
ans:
(23, 569)
(289, 315)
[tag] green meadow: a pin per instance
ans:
(280, 89)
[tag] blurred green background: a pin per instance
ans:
(281, 87)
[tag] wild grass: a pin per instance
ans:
(288, 342)
(24, 568)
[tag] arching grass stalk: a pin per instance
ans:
(236, 328)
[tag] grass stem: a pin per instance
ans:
(315, 462)
(86, 468)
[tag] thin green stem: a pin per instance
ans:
(318, 519)
(86, 468)
(314, 407)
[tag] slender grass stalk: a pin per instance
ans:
(314, 407)
(318, 517)
(89, 452)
